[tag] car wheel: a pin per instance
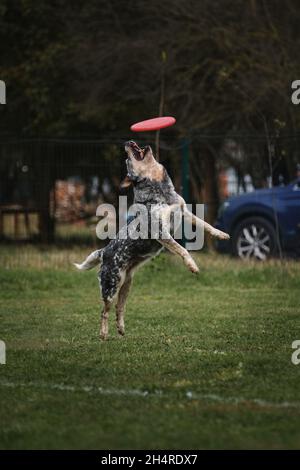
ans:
(254, 238)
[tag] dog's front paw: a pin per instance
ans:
(221, 235)
(190, 263)
(194, 268)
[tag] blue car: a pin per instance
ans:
(262, 222)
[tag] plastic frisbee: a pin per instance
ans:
(153, 124)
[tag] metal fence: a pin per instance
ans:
(50, 188)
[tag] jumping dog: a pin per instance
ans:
(153, 189)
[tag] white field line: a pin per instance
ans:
(157, 393)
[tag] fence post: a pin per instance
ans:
(45, 184)
(185, 176)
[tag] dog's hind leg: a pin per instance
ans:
(120, 307)
(111, 280)
(104, 319)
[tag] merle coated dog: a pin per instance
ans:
(153, 189)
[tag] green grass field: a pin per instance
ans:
(205, 363)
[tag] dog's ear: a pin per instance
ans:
(126, 183)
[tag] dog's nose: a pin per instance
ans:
(129, 143)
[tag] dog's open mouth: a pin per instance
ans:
(137, 152)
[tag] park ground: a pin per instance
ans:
(205, 363)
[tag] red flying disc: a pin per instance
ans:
(153, 124)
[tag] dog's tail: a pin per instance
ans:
(91, 261)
